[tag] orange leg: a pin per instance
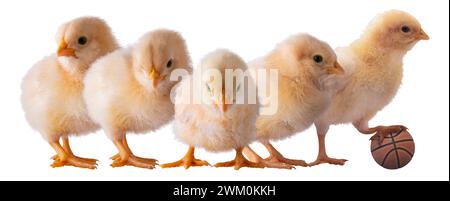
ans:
(126, 157)
(254, 157)
(380, 131)
(276, 157)
(125, 144)
(68, 150)
(187, 161)
(322, 157)
(67, 159)
(239, 161)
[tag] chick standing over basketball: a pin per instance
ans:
(374, 71)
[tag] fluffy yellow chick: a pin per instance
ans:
(374, 70)
(222, 120)
(129, 90)
(307, 71)
(52, 89)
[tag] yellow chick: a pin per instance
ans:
(52, 89)
(307, 72)
(222, 120)
(374, 70)
(129, 90)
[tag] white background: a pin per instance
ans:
(251, 29)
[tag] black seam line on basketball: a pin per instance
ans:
(385, 156)
(396, 151)
(404, 140)
(403, 149)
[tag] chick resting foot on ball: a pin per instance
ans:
(383, 131)
(380, 131)
(187, 161)
(239, 161)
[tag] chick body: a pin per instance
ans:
(374, 71)
(53, 103)
(52, 89)
(208, 126)
(129, 90)
(117, 101)
(304, 91)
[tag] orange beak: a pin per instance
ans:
(221, 102)
(64, 51)
(155, 76)
(422, 35)
(336, 69)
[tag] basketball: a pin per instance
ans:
(395, 151)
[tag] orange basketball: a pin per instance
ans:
(395, 151)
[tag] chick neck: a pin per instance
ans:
(370, 48)
(74, 68)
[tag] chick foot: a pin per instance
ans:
(276, 157)
(144, 160)
(187, 161)
(134, 161)
(68, 150)
(86, 160)
(326, 159)
(254, 157)
(126, 158)
(383, 131)
(239, 161)
(66, 158)
(322, 156)
(73, 161)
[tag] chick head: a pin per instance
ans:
(156, 55)
(305, 57)
(396, 29)
(82, 41)
(223, 79)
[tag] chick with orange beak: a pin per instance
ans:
(128, 91)
(222, 120)
(52, 90)
(374, 71)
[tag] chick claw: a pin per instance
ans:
(281, 159)
(86, 160)
(186, 163)
(329, 160)
(144, 160)
(278, 165)
(240, 163)
(134, 161)
(383, 131)
(73, 161)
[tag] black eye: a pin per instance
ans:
(406, 29)
(82, 40)
(317, 58)
(169, 63)
(207, 87)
